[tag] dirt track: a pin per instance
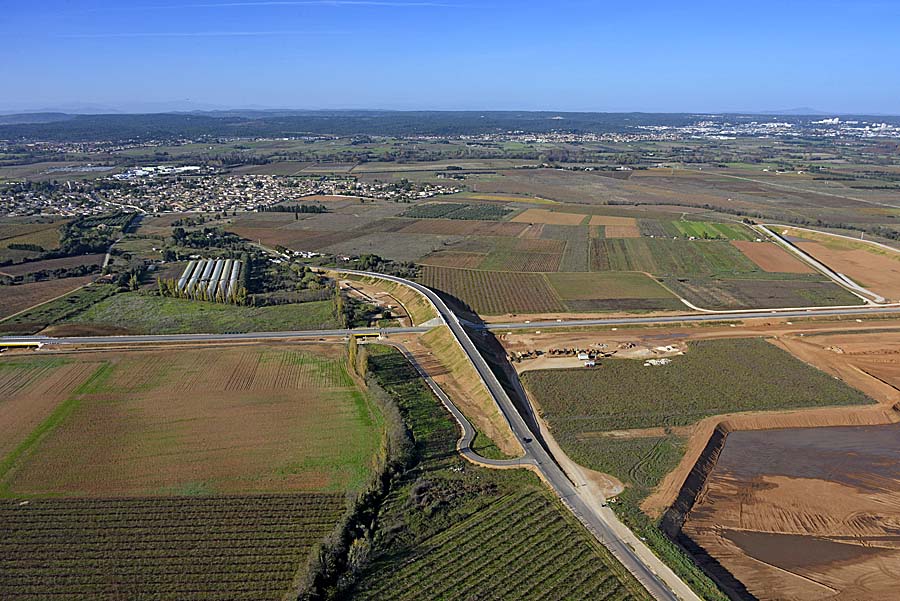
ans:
(791, 536)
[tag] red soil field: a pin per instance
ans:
(879, 272)
(20, 297)
(772, 258)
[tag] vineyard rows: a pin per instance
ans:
(192, 548)
(471, 559)
(447, 210)
(495, 293)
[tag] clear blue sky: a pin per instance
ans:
(833, 55)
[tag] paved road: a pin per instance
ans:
(736, 316)
(535, 453)
(235, 336)
(464, 444)
(534, 325)
(601, 522)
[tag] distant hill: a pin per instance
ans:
(24, 118)
(801, 111)
(62, 127)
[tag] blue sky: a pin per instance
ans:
(835, 56)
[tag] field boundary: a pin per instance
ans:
(866, 295)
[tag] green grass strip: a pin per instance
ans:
(59, 415)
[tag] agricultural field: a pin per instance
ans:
(576, 255)
(524, 254)
(494, 293)
(53, 312)
(628, 420)
(712, 377)
(497, 293)
(137, 477)
(872, 267)
(450, 530)
(585, 292)
(51, 264)
(304, 425)
(183, 548)
(772, 258)
(737, 293)
(708, 230)
(550, 217)
(41, 232)
(622, 417)
(452, 210)
(669, 257)
(145, 314)
(22, 296)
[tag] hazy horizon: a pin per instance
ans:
(447, 55)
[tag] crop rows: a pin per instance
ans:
(474, 212)
(16, 376)
(669, 257)
(494, 292)
(705, 229)
(240, 547)
(471, 560)
(713, 377)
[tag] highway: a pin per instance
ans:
(598, 523)
(652, 573)
(694, 317)
(531, 325)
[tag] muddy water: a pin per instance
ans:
(865, 457)
(803, 514)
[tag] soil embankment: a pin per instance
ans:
(802, 514)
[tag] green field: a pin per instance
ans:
(57, 310)
(496, 292)
(145, 314)
(669, 257)
(588, 409)
(185, 548)
(712, 377)
(450, 530)
(610, 291)
(706, 229)
(193, 474)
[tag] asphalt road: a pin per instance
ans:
(234, 336)
(535, 453)
(736, 316)
(602, 523)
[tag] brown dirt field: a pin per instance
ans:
(534, 230)
(813, 515)
(459, 227)
(449, 258)
(613, 221)
(14, 299)
(24, 268)
(31, 392)
(771, 257)
(622, 231)
(879, 272)
(446, 227)
(260, 419)
(541, 246)
(870, 363)
(548, 217)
